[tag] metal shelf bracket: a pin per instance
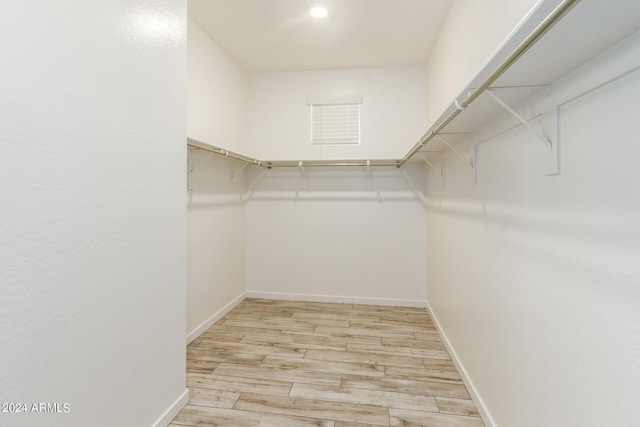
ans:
(368, 180)
(452, 148)
(548, 134)
(304, 181)
(550, 124)
(239, 171)
(303, 173)
(472, 162)
(439, 171)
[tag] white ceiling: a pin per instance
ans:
(263, 35)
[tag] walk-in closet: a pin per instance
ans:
(331, 213)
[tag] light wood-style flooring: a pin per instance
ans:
(285, 363)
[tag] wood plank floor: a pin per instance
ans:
(285, 363)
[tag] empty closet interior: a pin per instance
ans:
(492, 185)
(466, 166)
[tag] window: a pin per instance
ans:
(335, 121)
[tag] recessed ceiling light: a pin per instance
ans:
(319, 12)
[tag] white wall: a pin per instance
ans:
(361, 209)
(469, 36)
(393, 112)
(92, 237)
(535, 279)
(337, 236)
(216, 207)
(216, 249)
(216, 101)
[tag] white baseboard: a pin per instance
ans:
(473, 392)
(213, 319)
(173, 410)
(336, 299)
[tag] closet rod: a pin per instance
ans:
(520, 50)
(318, 163)
(222, 152)
(287, 163)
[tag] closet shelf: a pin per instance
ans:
(287, 163)
(192, 143)
(554, 39)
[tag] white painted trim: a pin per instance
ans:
(213, 319)
(173, 410)
(335, 298)
(473, 392)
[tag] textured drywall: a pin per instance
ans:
(216, 248)
(392, 114)
(216, 203)
(337, 235)
(216, 101)
(92, 229)
(534, 278)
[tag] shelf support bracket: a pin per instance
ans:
(304, 183)
(452, 148)
(521, 119)
(435, 169)
(549, 120)
(369, 181)
(193, 162)
(303, 174)
(239, 171)
(459, 155)
(429, 163)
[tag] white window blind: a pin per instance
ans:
(335, 121)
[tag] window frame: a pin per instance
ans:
(326, 103)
